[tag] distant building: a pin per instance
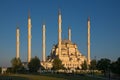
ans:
(4, 69)
(25, 65)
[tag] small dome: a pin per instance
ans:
(66, 41)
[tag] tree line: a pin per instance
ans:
(106, 65)
(34, 65)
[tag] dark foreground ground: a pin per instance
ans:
(47, 76)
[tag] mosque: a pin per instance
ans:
(65, 50)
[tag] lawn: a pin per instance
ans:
(10, 77)
(47, 76)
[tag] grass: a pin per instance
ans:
(46, 76)
(10, 77)
(38, 77)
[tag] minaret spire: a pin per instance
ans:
(43, 43)
(29, 14)
(88, 43)
(59, 12)
(29, 37)
(59, 32)
(17, 43)
(69, 34)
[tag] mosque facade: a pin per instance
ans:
(66, 50)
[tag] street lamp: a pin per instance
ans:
(109, 71)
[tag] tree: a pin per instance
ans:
(84, 65)
(103, 64)
(34, 64)
(57, 64)
(93, 64)
(9, 70)
(115, 66)
(16, 64)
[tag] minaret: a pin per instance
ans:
(69, 34)
(59, 32)
(88, 43)
(17, 43)
(43, 43)
(29, 38)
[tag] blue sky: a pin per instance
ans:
(104, 17)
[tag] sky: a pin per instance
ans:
(104, 20)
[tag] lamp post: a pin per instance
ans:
(109, 72)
